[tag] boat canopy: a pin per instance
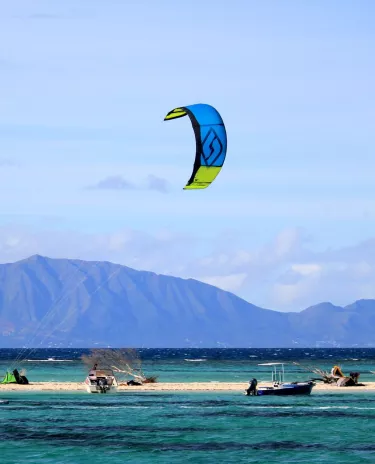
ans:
(271, 364)
(102, 372)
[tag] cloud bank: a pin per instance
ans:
(112, 183)
(7, 162)
(120, 183)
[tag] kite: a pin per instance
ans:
(211, 142)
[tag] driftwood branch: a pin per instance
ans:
(123, 361)
(324, 375)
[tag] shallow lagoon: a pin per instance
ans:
(194, 427)
(189, 427)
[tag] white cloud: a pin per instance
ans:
(120, 183)
(157, 183)
(112, 183)
(286, 294)
(306, 269)
(363, 269)
(231, 283)
(7, 162)
(288, 275)
(159, 252)
(285, 242)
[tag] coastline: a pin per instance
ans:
(173, 387)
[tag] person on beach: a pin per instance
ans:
(92, 373)
(355, 376)
(252, 389)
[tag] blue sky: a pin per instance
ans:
(85, 86)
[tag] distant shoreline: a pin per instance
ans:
(173, 387)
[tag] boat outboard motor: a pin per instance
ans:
(252, 389)
(103, 385)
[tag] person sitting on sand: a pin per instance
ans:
(133, 382)
(355, 376)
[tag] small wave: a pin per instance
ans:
(273, 407)
(343, 407)
(50, 360)
(195, 360)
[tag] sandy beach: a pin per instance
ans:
(173, 387)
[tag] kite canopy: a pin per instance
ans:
(211, 142)
(9, 378)
(15, 377)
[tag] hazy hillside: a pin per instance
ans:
(78, 303)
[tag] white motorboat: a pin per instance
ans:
(101, 381)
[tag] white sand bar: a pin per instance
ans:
(172, 387)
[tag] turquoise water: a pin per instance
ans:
(186, 428)
(198, 365)
(209, 427)
(185, 371)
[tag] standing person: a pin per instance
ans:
(92, 373)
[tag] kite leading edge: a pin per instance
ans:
(211, 142)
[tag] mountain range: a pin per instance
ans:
(73, 303)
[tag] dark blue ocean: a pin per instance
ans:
(209, 427)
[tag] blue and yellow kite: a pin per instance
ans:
(211, 142)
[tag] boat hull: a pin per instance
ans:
(287, 389)
(101, 384)
(97, 389)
